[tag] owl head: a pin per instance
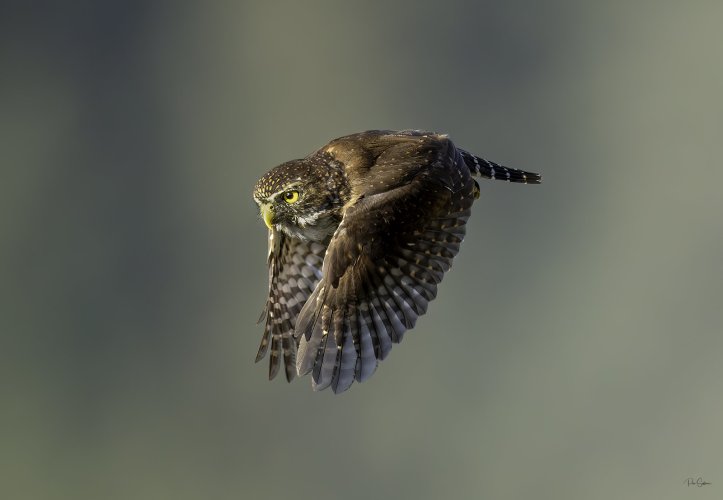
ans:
(303, 198)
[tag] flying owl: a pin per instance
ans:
(361, 233)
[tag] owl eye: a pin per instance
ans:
(291, 196)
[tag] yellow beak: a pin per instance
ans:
(268, 215)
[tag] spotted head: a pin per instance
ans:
(303, 198)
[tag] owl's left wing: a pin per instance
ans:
(294, 271)
(382, 269)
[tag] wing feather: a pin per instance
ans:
(382, 269)
(294, 271)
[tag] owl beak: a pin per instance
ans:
(268, 215)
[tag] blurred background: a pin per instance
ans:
(574, 350)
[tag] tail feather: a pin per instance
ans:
(491, 170)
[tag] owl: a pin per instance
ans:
(361, 233)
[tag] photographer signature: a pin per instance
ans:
(699, 482)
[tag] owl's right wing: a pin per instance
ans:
(294, 271)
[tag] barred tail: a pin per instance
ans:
(491, 170)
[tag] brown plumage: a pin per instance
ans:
(361, 233)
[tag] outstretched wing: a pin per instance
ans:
(383, 265)
(294, 271)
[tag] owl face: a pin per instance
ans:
(295, 198)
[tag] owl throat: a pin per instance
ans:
(318, 226)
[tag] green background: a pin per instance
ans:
(574, 350)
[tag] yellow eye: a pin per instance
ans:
(291, 196)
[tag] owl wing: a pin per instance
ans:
(382, 268)
(294, 271)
